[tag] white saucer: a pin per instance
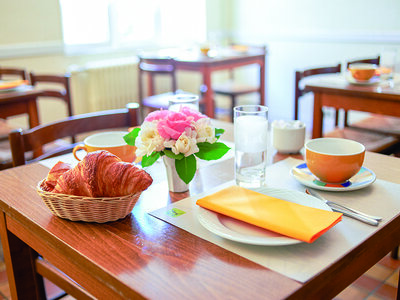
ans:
(362, 179)
(242, 232)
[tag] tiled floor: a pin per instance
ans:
(378, 283)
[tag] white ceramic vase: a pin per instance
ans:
(175, 183)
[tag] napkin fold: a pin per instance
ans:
(287, 218)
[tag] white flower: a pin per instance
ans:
(186, 143)
(205, 132)
(148, 139)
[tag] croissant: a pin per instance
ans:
(55, 172)
(101, 174)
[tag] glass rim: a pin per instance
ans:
(262, 108)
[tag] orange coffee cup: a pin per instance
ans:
(112, 141)
(334, 160)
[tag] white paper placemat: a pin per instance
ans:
(301, 261)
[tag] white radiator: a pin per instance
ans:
(104, 85)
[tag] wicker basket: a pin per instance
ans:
(87, 209)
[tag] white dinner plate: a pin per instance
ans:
(362, 179)
(243, 232)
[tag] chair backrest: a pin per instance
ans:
(375, 60)
(13, 73)
(55, 86)
(299, 91)
(34, 139)
(152, 66)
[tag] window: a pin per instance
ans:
(119, 24)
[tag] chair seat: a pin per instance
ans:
(161, 100)
(379, 123)
(158, 101)
(234, 88)
(373, 142)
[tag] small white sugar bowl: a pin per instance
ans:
(288, 136)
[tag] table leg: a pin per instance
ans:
(19, 258)
(33, 113)
(262, 83)
(208, 96)
(318, 116)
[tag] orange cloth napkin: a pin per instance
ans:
(12, 84)
(291, 219)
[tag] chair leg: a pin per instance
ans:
(233, 104)
(395, 253)
(346, 116)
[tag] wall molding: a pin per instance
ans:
(31, 49)
(311, 36)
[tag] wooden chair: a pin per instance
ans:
(24, 141)
(232, 87)
(153, 67)
(299, 90)
(375, 60)
(57, 86)
(13, 73)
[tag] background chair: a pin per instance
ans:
(13, 74)
(54, 86)
(299, 90)
(152, 67)
(23, 141)
(232, 87)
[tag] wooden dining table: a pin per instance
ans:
(142, 256)
(338, 91)
(218, 60)
(21, 101)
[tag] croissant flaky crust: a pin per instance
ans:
(99, 174)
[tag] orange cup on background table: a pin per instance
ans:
(112, 141)
(334, 160)
(363, 71)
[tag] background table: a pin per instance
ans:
(21, 101)
(206, 65)
(335, 91)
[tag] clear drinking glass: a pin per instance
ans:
(251, 144)
(181, 100)
(388, 63)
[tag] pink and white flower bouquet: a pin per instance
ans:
(182, 136)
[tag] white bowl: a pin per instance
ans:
(288, 136)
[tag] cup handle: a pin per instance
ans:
(76, 148)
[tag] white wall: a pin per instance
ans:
(298, 34)
(311, 33)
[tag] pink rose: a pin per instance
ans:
(192, 113)
(157, 115)
(173, 125)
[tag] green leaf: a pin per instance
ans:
(130, 138)
(219, 132)
(149, 160)
(211, 151)
(186, 168)
(172, 155)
